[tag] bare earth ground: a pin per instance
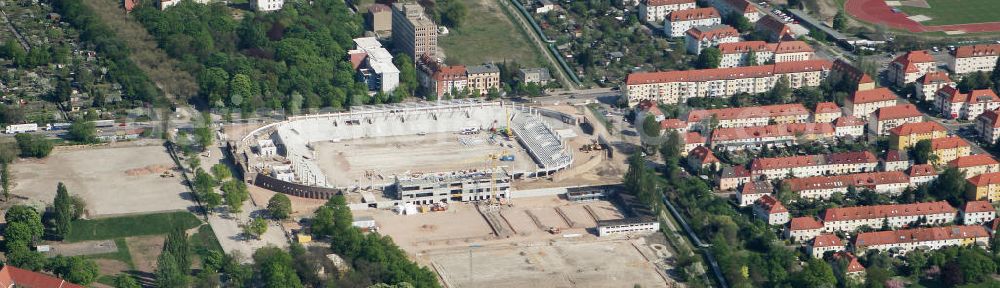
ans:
(111, 267)
(345, 162)
(116, 180)
(84, 248)
(145, 250)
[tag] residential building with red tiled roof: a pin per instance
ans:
(681, 21)
(862, 103)
(789, 51)
(727, 7)
(859, 79)
(775, 30)
(673, 125)
(814, 165)
(770, 210)
(824, 243)
(968, 59)
(848, 219)
(11, 276)
(900, 242)
(751, 116)
(674, 87)
(908, 67)
(921, 173)
(826, 112)
(732, 177)
(849, 126)
(886, 118)
(977, 212)
(752, 191)
(823, 187)
(738, 54)
(973, 165)
(802, 229)
(950, 148)
(896, 160)
(988, 126)
(779, 134)
(984, 187)
(909, 134)
(702, 157)
(654, 11)
(698, 38)
(968, 106)
(854, 268)
(692, 140)
(928, 85)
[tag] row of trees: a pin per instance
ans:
(38, 56)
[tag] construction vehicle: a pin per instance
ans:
(592, 147)
(437, 207)
(507, 157)
(554, 230)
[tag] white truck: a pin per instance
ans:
(21, 128)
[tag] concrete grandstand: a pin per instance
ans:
(321, 155)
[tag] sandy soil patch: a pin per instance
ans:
(111, 267)
(145, 250)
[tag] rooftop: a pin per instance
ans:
(978, 206)
(805, 223)
(827, 240)
(727, 73)
(985, 179)
(919, 235)
(917, 128)
(693, 14)
(748, 112)
(897, 112)
(874, 95)
(977, 50)
(885, 211)
(950, 142)
(972, 161)
(869, 179)
(778, 130)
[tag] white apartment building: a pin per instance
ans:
(988, 126)
(862, 103)
(900, 242)
(790, 51)
(848, 219)
(268, 5)
(826, 112)
(738, 54)
(968, 106)
(770, 210)
(803, 229)
(376, 67)
(910, 66)
(814, 165)
(824, 243)
(896, 160)
(886, 118)
(928, 85)
(977, 164)
(849, 126)
(977, 212)
(654, 11)
(674, 87)
(968, 59)
(627, 226)
(921, 173)
(681, 21)
(752, 191)
(749, 116)
(700, 37)
(771, 135)
(822, 187)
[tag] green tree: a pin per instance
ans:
(221, 172)
(752, 58)
(781, 92)
(240, 90)
(453, 12)
(32, 145)
(923, 153)
(995, 77)
(22, 257)
(670, 152)
(75, 269)
(816, 273)
(235, 193)
(950, 186)
(82, 131)
(30, 220)
(177, 245)
(168, 274)
(5, 180)
(279, 206)
(840, 20)
(62, 211)
(126, 281)
(650, 127)
(709, 58)
(256, 227)
(407, 73)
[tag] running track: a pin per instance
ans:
(877, 12)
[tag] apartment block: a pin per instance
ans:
(413, 32)
(824, 243)
(988, 126)
(801, 229)
(702, 158)
(456, 186)
(375, 67)
(822, 187)
(900, 242)
(749, 116)
(752, 191)
(775, 30)
(968, 106)
(727, 7)
(862, 103)
(950, 148)
(482, 78)
(973, 165)
(791, 51)
(739, 53)
(984, 187)
(826, 112)
(886, 118)
(814, 165)
(442, 79)
(654, 11)
(732, 177)
(849, 126)
(859, 79)
(928, 85)
(700, 37)
(921, 173)
(907, 135)
(692, 140)
(770, 210)
(910, 66)
(977, 212)
(968, 59)
(770, 135)
(848, 219)
(681, 21)
(674, 87)
(896, 160)
(380, 19)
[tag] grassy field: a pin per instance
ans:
(127, 226)
(487, 35)
(946, 12)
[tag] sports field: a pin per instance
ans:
(948, 12)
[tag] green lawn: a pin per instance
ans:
(205, 238)
(487, 35)
(946, 12)
(128, 226)
(122, 254)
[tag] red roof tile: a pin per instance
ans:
(870, 179)
(771, 205)
(991, 117)
(853, 266)
(827, 240)
(672, 123)
(779, 130)
(769, 111)
(885, 211)
(917, 128)
(977, 50)
(11, 276)
(757, 187)
(666, 2)
(704, 155)
(844, 121)
(792, 47)
(909, 60)
(935, 77)
(693, 14)
(718, 31)
(950, 142)
(744, 47)
(827, 107)
(694, 137)
(805, 223)
(922, 170)
(874, 95)
(978, 206)
(972, 161)
(726, 73)
(813, 160)
(919, 235)
(985, 179)
(897, 112)
(851, 72)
